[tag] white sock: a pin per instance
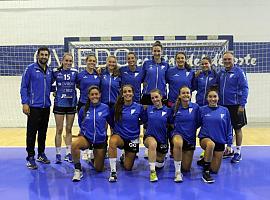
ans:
(68, 149)
(177, 166)
(113, 164)
(160, 164)
(152, 166)
(58, 150)
(238, 149)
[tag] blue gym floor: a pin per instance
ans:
(249, 179)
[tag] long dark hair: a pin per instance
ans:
(210, 61)
(186, 65)
(214, 88)
(118, 107)
(88, 102)
(178, 101)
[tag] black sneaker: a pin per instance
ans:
(113, 177)
(206, 177)
(122, 159)
(31, 163)
(201, 162)
(43, 158)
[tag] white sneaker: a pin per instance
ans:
(178, 177)
(145, 153)
(77, 175)
(90, 155)
(85, 155)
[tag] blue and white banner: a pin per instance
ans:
(253, 57)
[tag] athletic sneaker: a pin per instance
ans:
(43, 158)
(236, 158)
(122, 158)
(31, 163)
(201, 162)
(91, 155)
(202, 154)
(207, 177)
(68, 158)
(228, 154)
(178, 177)
(153, 176)
(58, 159)
(145, 153)
(113, 177)
(77, 175)
(85, 155)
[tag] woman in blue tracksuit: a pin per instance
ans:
(133, 75)
(183, 136)
(65, 104)
(204, 79)
(157, 118)
(126, 130)
(215, 132)
(178, 76)
(154, 71)
(87, 78)
(93, 119)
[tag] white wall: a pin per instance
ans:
(48, 22)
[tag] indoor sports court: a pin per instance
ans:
(115, 28)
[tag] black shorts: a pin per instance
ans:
(186, 146)
(80, 104)
(102, 145)
(64, 110)
(237, 120)
(161, 147)
(218, 146)
(129, 146)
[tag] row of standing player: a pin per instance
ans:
(152, 79)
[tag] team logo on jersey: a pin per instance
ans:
(136, 74)
(187, 73)
(190, 110)
(222, 116)
(163, 113)
(104, 76)
(210, 79)
(151, 112)
(72, 73)
(95, 76)
(85, 76)
(207, 115)
(99, 114)
(132, 111)
(231, 75)
(114, 78)
(176, 75)
(37, 71)
(125, 72)
(162, 67)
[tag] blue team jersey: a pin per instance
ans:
(133, 78)
(216, 124)
(233, 87)
(157, 121)
(129, 127)
(186, 122)
(202, 83)
(65, 87)
(85, 80)
(154, 76)
(93, 124)
(176, 78)
(110, 87)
